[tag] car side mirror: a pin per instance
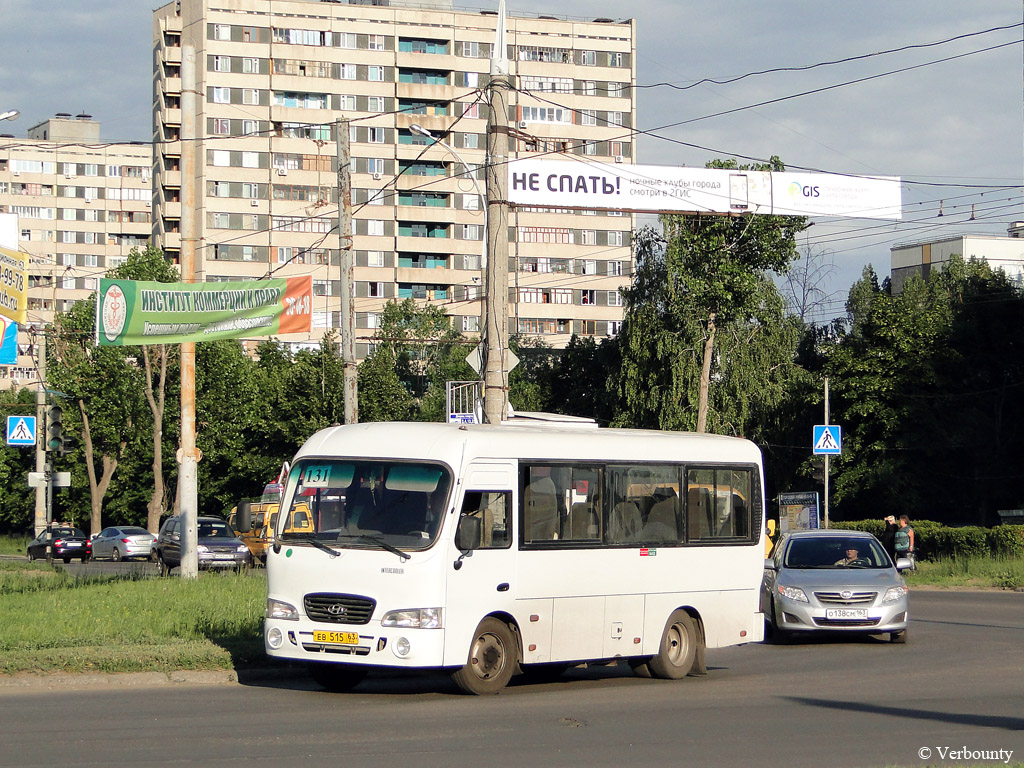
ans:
(769, 564)
(176, 536)
(904, 564)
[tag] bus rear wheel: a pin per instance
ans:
(337, 678)
(678, 649)
(492, 659)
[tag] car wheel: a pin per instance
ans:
(337, 678)
(66, 559)
(898, 637)
(86, 559)
(492, 659)
(31, 555)
(164, 570)
(116, 555)
(678, 649)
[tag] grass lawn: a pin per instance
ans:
(50, 621)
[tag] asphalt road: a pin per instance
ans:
(957, 685)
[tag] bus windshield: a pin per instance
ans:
(367, 504)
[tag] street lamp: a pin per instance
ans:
(10, 114)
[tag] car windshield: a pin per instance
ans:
(215, 530)
(835, 552)
(365, 504)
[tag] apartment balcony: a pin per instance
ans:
(431, 275)
(172, 85)
(172, 116)
(172, 54)
(406, 244)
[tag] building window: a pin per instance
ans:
(347, 72)
(614, 299)
(375, 42)
(588, 298)
(250, 127)
(321, 288)
(470, 49)
(471, 141)
(588, 267)
(615, 238)
(470, 231)
(221, 126)
(250, 66)
(589, 88)
(470, 323)
(250, 159)
(588, 117)
(375, 290)
(616, 59)
(588, 58)
(375, 227)
(250, 96)
(589, 237)
(375, 74)
(375, 258)
(222, 95)
(374, 103)
(221, 64)
(614, 268)
(375, 135)
(346, 39)
(347, 103)
(614, 326)
(221, 31)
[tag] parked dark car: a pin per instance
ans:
(68, 542)
(218, 546)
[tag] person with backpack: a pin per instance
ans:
(904, 539)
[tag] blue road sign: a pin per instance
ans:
(21, 430)
(828, 439)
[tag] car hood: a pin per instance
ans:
(868, 578)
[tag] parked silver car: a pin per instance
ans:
(123, 543)
(834, 581)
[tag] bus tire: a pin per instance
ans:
(493, 656)
(336, 678)
(678, 650)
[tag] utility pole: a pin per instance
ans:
(188, 481)
(825, 502)
(496, 299)
(40, 511)
(346, 315)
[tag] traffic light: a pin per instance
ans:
(818, 471)
(54, 429)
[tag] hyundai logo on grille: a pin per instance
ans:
(845, 594)
(336, 609)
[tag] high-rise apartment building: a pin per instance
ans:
(81, 204)
(275, 76)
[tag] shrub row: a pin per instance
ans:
(934, 540)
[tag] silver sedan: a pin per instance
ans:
(123, 543)
(834, 581)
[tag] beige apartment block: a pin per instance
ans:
(1005, 252)
(81, 206)
(275, 77)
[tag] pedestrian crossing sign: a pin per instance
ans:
(828, 440)
(21, 430)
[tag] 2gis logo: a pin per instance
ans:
(796, 189)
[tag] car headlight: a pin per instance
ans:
(202, 548)
(793, 593)
(414, 618)
(892, 594)
(242, 548)
(279, 609)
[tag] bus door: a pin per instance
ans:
(481, 566)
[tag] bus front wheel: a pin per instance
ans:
(492, 659)
(678, 649)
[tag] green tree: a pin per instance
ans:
(717, 265)
(17, 500)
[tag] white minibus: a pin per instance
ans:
(490, 551)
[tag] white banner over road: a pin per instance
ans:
(667, 189)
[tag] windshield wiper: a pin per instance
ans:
(378, 541)
(311, 538)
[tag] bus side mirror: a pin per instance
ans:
(467, 537)
(243, 516)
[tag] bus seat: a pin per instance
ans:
(540, 510)
(584, 523)
(625, 523)
(662, 522)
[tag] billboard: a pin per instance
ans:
(13, 284)
(131, 312)
(664, 189)
(798, 511)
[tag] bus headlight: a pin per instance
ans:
(278, 609)
(413, 618)
(275, 638)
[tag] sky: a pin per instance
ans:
(947, 118)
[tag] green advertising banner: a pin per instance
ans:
(130, 312)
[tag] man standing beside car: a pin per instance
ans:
(904, 539)
(889, 536)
